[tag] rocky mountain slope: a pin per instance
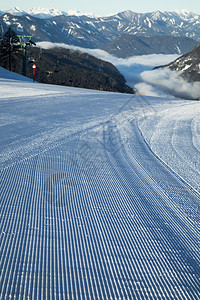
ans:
(188, 64)
(97, 32)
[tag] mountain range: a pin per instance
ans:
(107, 32)
(43, 13)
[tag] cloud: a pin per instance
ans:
(101, 54)
(139, 74)
(146, 89)
(169, 82)
(144, 61)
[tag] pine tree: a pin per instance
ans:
(8, 41)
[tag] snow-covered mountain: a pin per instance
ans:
(15, 11)
(97, 32)
(44, 13)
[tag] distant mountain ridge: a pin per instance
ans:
(128, 45)
(98, 32)
(52, 12)
(43, 13)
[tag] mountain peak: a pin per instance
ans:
(128, 14)
(157, 15)
(16, 11)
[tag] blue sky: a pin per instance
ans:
(105, 7)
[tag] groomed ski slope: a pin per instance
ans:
(99, 195)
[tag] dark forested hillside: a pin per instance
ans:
(66, 67)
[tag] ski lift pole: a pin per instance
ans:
(34, 67)
(24, 60)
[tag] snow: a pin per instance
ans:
(186, 67)
(90, 23)
(19, 27)
(179, 50)
(148, 21)
(33, 28)
(6, 19)
(44, 12)
(99, 194)
(7, 76)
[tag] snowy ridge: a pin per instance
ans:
(44, 13)
(52, 12)
(87, 210)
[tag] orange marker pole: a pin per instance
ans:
(34, 67)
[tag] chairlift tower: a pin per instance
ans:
(24, 41)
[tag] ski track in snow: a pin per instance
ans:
(99, 195)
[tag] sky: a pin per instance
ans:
(105, 7)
